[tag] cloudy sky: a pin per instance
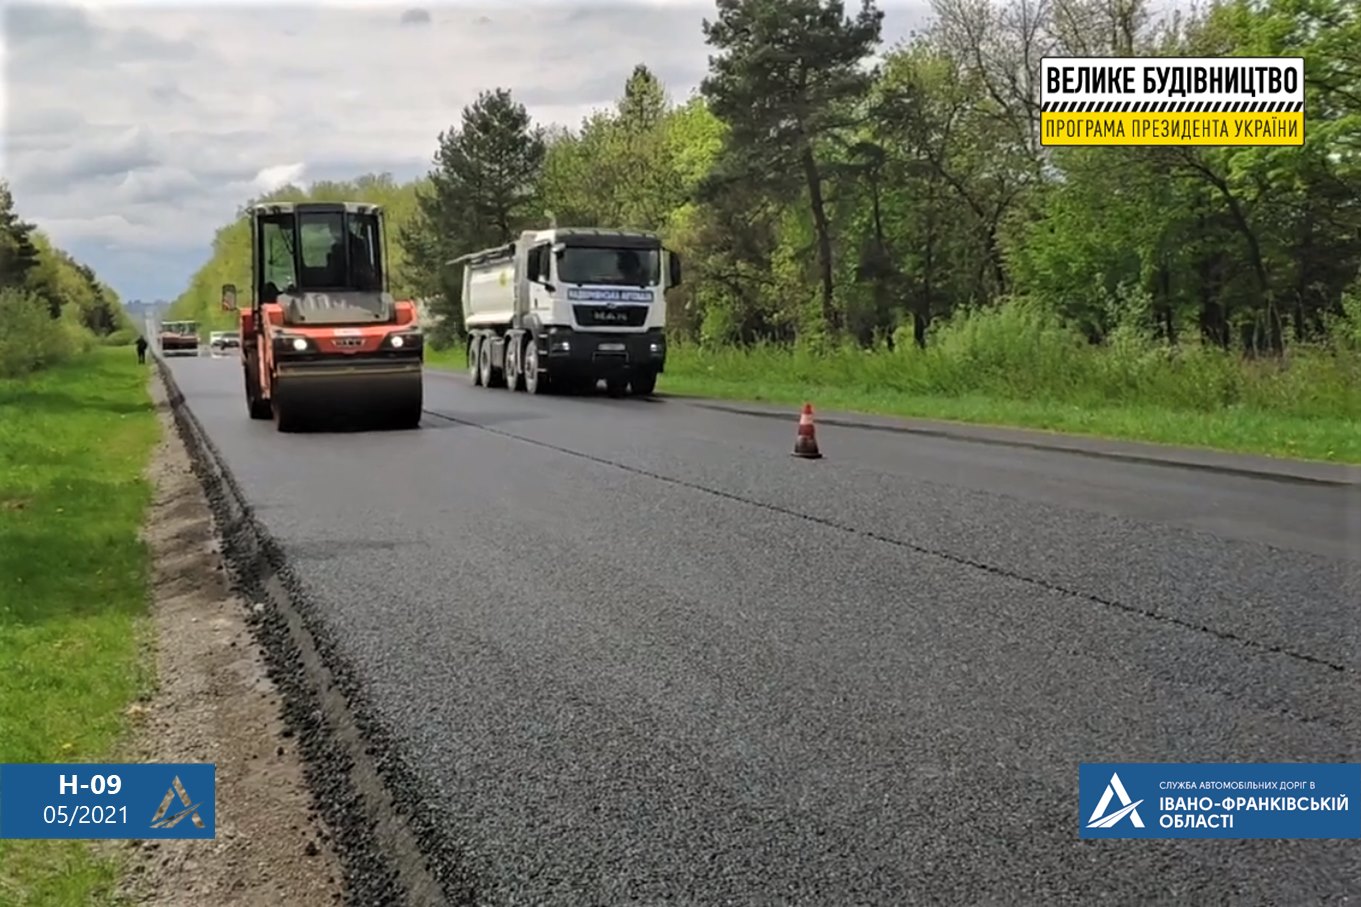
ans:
(133, 132)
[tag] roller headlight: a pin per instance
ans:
(299, 344)
(403, 340)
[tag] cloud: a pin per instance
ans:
(134, 132)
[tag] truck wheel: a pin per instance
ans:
(475, 360)
(493, 377)
(515, 366)
(484, 363)
(535, 382)
(644, 383)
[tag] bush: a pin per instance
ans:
(1016, 351)
(31, 339)
(120, 337)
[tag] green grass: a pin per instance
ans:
(74, 441)
(1010, 366)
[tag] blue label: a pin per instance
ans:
(1213, 800)
(600, 295)
(94, 800)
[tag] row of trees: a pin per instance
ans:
(50, 304)
(821, 187)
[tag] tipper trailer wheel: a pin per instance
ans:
(491, 375)
(475, 360)
(484, 362)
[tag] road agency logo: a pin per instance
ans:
(1128, 808)
(176, 789)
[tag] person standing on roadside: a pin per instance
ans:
(141, 349)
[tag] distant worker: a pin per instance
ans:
(141, 349)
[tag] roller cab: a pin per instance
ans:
(322, 337)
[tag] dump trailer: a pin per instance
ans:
(566, 307)
(178, 338)
(321, 336)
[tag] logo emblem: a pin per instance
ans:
(1101, 819)
(160, 820)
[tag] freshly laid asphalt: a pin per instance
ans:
(636, 652)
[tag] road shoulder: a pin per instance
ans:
(214, 702)
(1227, 463)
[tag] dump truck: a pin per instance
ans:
(566, 307)
(321, 336)
(178, 338)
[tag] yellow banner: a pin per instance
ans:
(1172, 128)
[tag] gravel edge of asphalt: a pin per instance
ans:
(391, 846)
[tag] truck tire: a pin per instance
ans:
(475, 360)
(644, 383)
(535, 381)
(515, 364)
(490, 376)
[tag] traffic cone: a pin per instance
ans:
(806, 441)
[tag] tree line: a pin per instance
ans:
(825, 189)
(51, 305)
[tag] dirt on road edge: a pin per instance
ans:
(214, 702)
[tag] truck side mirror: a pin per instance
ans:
(674, 267)
(229, 297)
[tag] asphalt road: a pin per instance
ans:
(638, 652)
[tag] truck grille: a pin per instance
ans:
(600, 316)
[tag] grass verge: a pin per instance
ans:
(1306, 409)
(74, 442)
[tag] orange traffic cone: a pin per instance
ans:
(806, 441)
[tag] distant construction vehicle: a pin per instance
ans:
(178, 338)
(566, 307)
(322, 335)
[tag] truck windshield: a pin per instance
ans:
(616, 267)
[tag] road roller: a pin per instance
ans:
(178, 338)
(322, 339)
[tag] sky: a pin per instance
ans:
(132, 133)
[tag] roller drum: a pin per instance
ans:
(391, 397)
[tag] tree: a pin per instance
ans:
(483, 189)
(786, 73)
(18, 254)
